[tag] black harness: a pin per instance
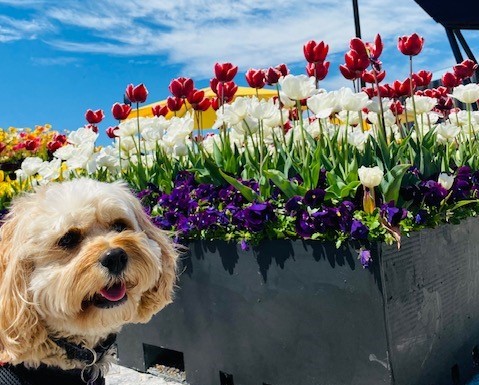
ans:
(49, 375)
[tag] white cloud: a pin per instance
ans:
(54, 61)
(17, 29)
(196, 33)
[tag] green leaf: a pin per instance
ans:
(289, 188)
(350, 189)
(249, 194)
(464, 203)
(391, 182)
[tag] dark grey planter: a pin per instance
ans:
(305, 313)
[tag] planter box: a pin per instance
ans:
(305, 313)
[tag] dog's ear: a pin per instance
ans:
(162, 293)
(20, 328)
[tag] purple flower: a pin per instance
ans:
(244, 245)
(359, 230)
(365, 257)
(346, 210)
(433, 192)
(420, 217)
(293, 204)
(205, 219)
(326, 219)
(314, 198)
(393, 214)
(257, 215)
(304, 224)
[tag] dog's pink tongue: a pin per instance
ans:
(114, 293)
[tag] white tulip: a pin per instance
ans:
(447, 132)
(370, 177)
(468, 93)
(351, 101)
(31, 165)
(324, 104)
(298, 87)
(50, 171)
(82, 135)
(424, 104)
(445, 180)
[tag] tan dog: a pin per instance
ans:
(78, 260)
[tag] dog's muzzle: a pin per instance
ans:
(115, 260)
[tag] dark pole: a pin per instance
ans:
(357, 26)
(454, 46)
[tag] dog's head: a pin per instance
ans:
(79, 258)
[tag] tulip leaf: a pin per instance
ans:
(391, 182)
(288, 187)
(350, 189)
(249, 194)
(464, 203)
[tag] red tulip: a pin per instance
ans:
(318, 70)
(225, 72)
(450, 80)
(442, 91)
(60, 138)
(372, 76)
(422, 78)
(396, 108)
(226, 91)
(255, 78)
(94, 117)
(32, 145)
(315, 52)
(283, 68)
(370, 91)
(215, 104)
(181, 87)
(465, 69)
(195, 96)
(403, 88)
(356, 44)
(356, 61)
(203, 105)
(120, 111)
(174, 103)
(272, 76)
(375, 49)
(110, 131)
(136, 94)
(348, 73)
(387, 91)
(159, 110)
(410, 45)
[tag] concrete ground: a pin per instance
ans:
(119, 375)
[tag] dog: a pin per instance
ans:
(78, 260)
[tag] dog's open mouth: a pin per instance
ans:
(108, 297)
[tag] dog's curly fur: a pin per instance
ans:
(47, 289)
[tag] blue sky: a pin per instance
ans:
(59, 58)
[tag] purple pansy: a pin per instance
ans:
(365, 257)
(393, 214)
(359, 230)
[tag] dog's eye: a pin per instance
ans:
(119, 226)
(71, 239)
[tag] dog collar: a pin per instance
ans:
(80, 353)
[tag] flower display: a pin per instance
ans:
(359, 164)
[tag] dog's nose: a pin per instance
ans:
(115, 260)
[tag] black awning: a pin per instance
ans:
(457, 14)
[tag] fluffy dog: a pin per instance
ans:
(78, 260)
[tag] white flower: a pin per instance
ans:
(351, 101)
(261, 108)
(468, 93)
(375, 106)
(423, 104)
(358, 138)
(82, 135)
(324, 104)
(370, 177)
(298, 87)
(50, 171)
(351, 117)
(128, 128)
(445, 180)
(31, 165)
(235, 112)
(447, 132)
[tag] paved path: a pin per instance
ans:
(119, 375)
